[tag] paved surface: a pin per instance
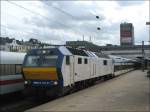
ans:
(129, 92)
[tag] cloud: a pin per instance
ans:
(60, 21)
(131, 3)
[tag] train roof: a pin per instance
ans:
(73, 51)
(68, 51)
(11, 57)
(120, 59)
(77, 51)
(102, 55)
(64, 50)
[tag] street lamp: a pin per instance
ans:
(98, 28)
(148, 23)
(97, 17)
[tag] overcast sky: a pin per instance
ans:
(56, 22)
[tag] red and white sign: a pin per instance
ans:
(126, 40)
(126, 34)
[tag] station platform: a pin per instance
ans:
(128, 92)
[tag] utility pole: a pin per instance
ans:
(83, 37)
(143, 57)
(90, 39)
(148, 23)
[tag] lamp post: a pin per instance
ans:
(98, 28)
(148, 23)
(143, 57)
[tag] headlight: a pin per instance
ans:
(25, 82)
(55, 82)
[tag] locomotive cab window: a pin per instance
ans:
(85, 61)
(67, 60)
(79, 60)
(104, 62)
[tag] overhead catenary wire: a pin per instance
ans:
(73, 17)
(6, 27)
(62, 11)
(22, 32)
(35, 12)
(31, 33)
(47, 18)
(18, 32)
(66, 13)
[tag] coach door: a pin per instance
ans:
(70, 68)
(92, 67)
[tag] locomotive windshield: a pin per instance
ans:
(49, 61)
(32, 61)
(40, 59)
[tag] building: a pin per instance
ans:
(126, 34)
(7, 44)
(13, 45)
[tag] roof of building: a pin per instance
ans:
(4, 40)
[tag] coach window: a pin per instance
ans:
(18, 69)
(104, 62)
(79, 60)
(2, 69)
(85, 61)
(11, 69)
(67, 60)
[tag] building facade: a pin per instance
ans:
(13, 45)
(126, 34)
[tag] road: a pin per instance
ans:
(128, 92)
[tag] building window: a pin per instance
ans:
(104, 62)
(67, 60)
(85, 61)
(79, 60)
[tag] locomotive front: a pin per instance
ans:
(42, 69)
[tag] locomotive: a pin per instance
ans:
(59, 70)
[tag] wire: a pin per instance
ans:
(47, 18)
(35, 12)
(20, 32)
(31, 33)
(62, 11)
(68, 14)
(78, 32)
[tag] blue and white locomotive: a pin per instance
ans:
(60, 69)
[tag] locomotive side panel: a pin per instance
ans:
(68, 70)
(81, 68)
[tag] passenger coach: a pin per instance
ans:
(122, 65)
(11, 79)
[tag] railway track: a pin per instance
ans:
(17, 102)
